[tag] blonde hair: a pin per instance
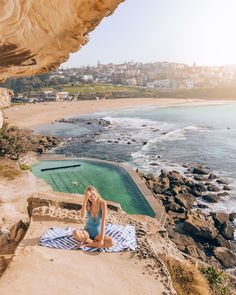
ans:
(92, 188)
(87, 204)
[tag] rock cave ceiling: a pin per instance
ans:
(36, 36)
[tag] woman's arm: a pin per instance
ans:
(83, 209)
(104, 214)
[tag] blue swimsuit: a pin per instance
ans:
(93, 225)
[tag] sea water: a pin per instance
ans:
(155, 138)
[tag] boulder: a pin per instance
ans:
(181, 241)
(222, 181)
(187, 245)
(173, 207)
(220, 241)
(211, 198)
(199, 178)
(176, 190)
(195, 186)
(232, 216)
(220, 218)
(165, 183)
(196, 194)
(177, 215)
(226, 257)
(226, 188)
(223, 194)
(228, 231)
(194, 251)
(40, 149)
(148, 176)
(212, 176)
(185, 200)
(203, 206)
(213, 188)
(200, 170)
(198, 224)
(176, 178)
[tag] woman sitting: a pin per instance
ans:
(93, 234)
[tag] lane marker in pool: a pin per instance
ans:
(63, 167)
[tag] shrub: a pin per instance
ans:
(186, 277)
(14, 141)
(219, 281)
(24, 167)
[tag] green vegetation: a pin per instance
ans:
(24, 167)
(31, 86)
(186, 278)
(14, 141)
(219, 281)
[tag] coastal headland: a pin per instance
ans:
(155, 251)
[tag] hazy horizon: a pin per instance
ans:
(184, 31)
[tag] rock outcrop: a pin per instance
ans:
(61, 210)
(201, 235)
(37, 36)
(5, 100)
(5, 96)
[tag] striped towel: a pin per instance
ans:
(123, 238)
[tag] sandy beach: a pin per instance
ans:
(30, 115)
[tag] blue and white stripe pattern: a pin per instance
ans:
(123, 237)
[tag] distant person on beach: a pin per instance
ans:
(93, 234)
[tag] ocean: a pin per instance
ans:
(154, 138)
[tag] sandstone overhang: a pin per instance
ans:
(37, 36)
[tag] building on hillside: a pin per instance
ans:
(62, 95)
(87, 78)
(49, 95)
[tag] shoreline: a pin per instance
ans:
(32, 115)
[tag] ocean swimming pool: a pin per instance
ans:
(112, 182)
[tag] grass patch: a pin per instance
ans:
(219, 281)
(9, 169)
(186, 278)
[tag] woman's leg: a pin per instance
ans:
(97, 244)
(82, 236)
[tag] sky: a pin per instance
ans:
(184, 31)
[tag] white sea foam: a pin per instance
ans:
(136, 122)
(198, 128)
(134, 130)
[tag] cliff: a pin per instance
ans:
(5, 97)
(37, 36)
(5, 100)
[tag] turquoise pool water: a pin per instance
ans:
(112, 182)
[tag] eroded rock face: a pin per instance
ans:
(37, 36)
(5, 96)
(5, 99)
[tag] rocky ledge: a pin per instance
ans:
(62, 210)
(192, 226)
